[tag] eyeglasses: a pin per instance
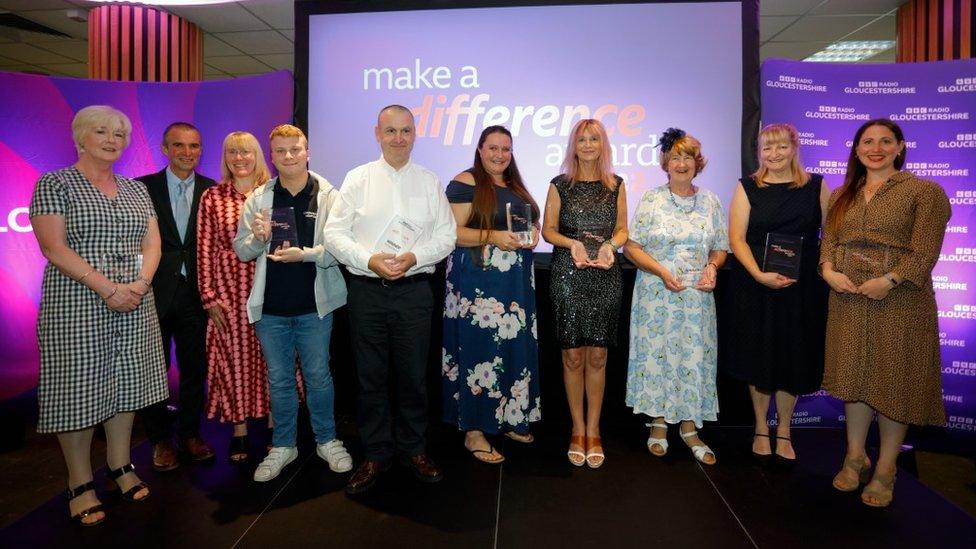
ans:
(242, 152)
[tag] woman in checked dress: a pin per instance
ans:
(101, 350)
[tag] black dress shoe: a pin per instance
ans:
(424, 468)
(365, 476)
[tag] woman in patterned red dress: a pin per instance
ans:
(237, 374)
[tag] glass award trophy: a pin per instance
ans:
(593, 236)
(284, 232)
(689, 262)
(783, 254)
(520, 222)
(120, 268)
(862, 261)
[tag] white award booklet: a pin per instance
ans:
(398, 237)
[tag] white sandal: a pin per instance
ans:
(699, 450)
(662, 442)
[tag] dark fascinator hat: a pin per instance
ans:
(668, 138)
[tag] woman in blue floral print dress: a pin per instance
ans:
(678, 239)
(490, 366)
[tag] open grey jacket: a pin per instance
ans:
(330, 288)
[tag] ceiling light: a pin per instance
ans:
(851, 51)
(166, 2)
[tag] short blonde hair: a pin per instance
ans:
(93, 116)
(287, 130)
(246, 141)
(685, 144)
(781, 133)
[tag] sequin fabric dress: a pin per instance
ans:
(586, 302)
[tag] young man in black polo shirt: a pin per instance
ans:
(292, 300)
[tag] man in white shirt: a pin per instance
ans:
(390, 298)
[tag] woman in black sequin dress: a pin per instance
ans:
(776, 324)
(587, 199)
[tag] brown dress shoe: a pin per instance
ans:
(197, 448)
(164, 456)
(365, 477)
(424, 468)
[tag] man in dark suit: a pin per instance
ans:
(175, 193)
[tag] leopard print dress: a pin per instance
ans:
(885, 353)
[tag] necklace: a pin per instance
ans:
(694, 202)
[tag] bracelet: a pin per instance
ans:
(612, 243)
(115, 289)
(713, 264)
(84, 275)
(145, 281)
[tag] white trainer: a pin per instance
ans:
(276, 460)
(335, 454)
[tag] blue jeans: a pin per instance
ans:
(309, 335)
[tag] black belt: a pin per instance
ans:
(421, 277)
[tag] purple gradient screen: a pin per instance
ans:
(935, 104)
(640, 68)
(35, 137)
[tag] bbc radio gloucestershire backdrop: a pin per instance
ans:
(935, 104)
(35, 137)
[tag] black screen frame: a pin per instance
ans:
(751, 106)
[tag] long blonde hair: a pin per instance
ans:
(781, 133)
(246, 141)
(604, 167)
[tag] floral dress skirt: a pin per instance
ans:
(490, 364)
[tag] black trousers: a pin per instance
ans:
(391, 320)
(185, 324)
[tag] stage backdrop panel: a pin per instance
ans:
(935, 104)
(640, 68)
(35, 137)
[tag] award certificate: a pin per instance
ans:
(398, 237)
(782, 255)
(689, 262)
(284, 232)
(520, 221)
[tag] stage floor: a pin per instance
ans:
(535, 499)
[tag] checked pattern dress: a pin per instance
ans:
(95, 362)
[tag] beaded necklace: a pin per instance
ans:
(694, 202)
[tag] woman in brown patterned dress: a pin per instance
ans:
(237, 374)
(882, 238)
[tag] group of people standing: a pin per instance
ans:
(243, 307)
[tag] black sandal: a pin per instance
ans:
(82, 515)
(757, 455)
(237, 451)
(780, 457)
(130, 494)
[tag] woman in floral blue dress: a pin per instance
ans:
(490, 366)
(678, 240)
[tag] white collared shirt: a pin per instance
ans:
(371, 195)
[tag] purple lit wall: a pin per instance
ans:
(935, 104)
(35, 137)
